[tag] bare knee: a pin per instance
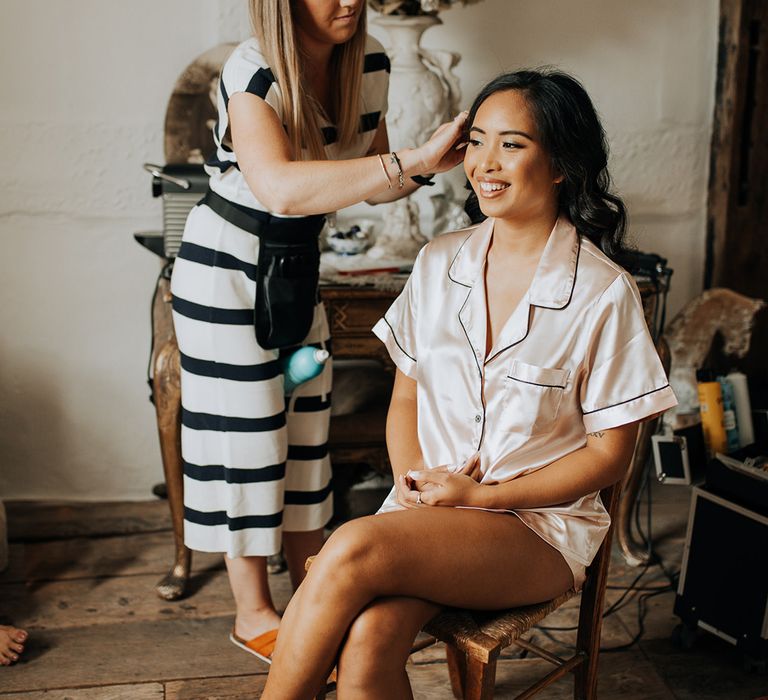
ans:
(344, 562)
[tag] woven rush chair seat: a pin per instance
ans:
(472, 631)
(474, 640)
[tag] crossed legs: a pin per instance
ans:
(379, 579)
(372, 660)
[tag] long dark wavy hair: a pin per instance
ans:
(570, 132)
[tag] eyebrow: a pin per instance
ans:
(505, 133)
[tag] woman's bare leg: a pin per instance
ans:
(250, 587)
(372, 660)
(11, 644)
(255, 610)
(297, 546)
(458, 557)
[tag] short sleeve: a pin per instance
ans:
(376, 70)
(623, 380)
(398, 329)
(246, 70)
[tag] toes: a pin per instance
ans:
(12, 644)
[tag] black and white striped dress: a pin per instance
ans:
(254, 462)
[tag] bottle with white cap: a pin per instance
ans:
(301, 366)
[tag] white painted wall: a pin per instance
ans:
(82, 103)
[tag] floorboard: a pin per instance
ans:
(86, 557)
(137, 652)
(33, 521)
(229, 688)
(105, 601)
(135, 691)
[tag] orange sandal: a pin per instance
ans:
(261, 646)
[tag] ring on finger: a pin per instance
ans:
(418, 498)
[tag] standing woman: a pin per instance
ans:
(300, 133)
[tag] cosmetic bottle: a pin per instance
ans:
(729, 414)
(738, 381)
(301, 366)
(711, 408)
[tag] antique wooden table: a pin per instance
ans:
(358, 437)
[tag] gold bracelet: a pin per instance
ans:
(386, 174)
(400, 177)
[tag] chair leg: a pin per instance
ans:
(588, 642)
(591, 621)
(480, 679)
(585, 680)
(471, 679)
(457, 670)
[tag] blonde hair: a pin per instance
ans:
(274, 27)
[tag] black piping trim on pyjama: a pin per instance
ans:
(634, 398)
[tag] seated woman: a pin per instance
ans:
(524, 365)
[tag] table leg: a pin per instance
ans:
(167, 395)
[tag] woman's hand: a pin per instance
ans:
(444, 149)
(440, 486)
(408, 491)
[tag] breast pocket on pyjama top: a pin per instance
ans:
(532, 397)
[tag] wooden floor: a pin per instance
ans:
(81, 580)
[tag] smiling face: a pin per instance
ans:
(327, 21)
(505, 162)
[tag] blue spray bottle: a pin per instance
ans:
(301, 366)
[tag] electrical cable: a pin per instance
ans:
(644, 485)
(645, 592)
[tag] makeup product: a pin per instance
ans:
(711, 408)
(301, 366)
(729, 414)
(738, 381)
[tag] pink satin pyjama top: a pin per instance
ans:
(575, 357)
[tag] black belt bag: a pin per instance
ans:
(287, 271)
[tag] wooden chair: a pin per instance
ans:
(475, 639)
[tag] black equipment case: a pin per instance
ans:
(723, 585)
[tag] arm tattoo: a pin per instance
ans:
(597, 435)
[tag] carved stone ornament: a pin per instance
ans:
(690, 335)
(423, 94)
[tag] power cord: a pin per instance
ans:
(645, 592)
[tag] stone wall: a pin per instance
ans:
(82, 103)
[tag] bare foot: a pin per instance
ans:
(11, 644)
